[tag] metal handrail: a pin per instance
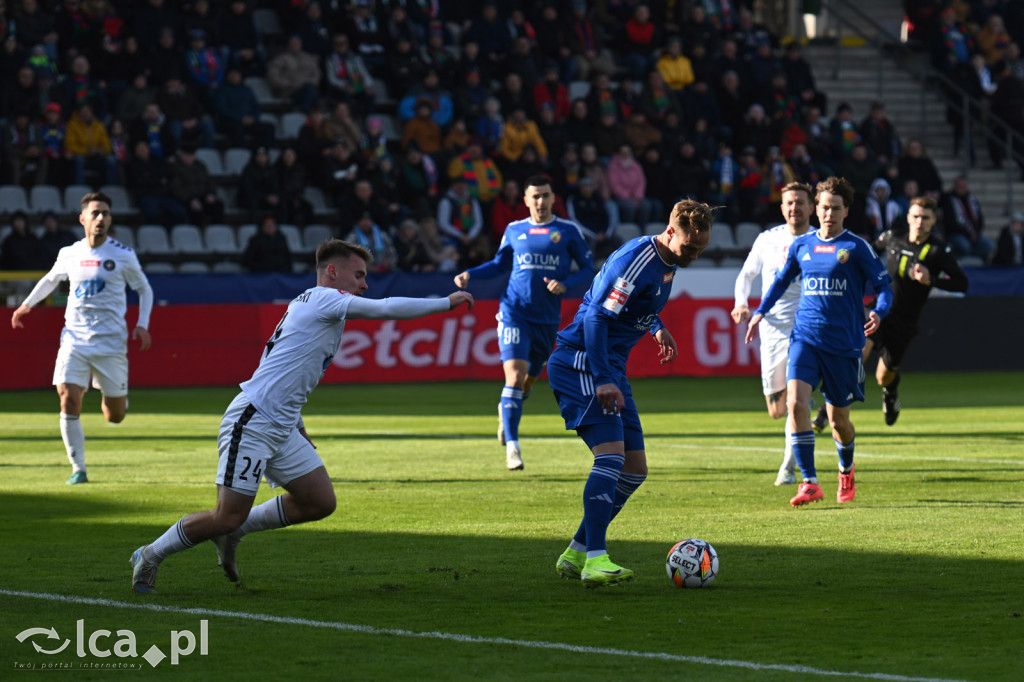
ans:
(960, 100)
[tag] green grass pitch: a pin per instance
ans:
(439, 563)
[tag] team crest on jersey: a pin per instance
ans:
(108, 265)
(843, 255)
(556, 236)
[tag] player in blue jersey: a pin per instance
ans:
(587, 372)
(834, 267)
(540, 251)
(262, 434)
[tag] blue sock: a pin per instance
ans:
(845, 455)
(599, 499)
(511, 411)
(627, 485)
(803, 450)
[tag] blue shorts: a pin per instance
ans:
(573, 386)
(521, 340)
(841, 377)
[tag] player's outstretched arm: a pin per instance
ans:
(145, 339)
(752, 327)
(459, 297)
(21, 312)
(667, 349)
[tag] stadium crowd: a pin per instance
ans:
(420, 119)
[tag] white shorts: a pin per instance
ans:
(774, 357)
(75, 365)
(252, 447)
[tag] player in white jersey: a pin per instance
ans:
(766, 257)
(262, 433)
(94, 341)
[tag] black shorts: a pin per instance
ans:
(891, 341)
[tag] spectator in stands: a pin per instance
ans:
(267, 250)
(725, 183)
(993, 40)
(628, 186)
(186, 115)
(640, 133)
(295, 74)
(23, 95)
(552, 33)
(341, 125)
(586, 40)
(147, 178)
(751, 192)
(189, 182)
(860, 170)
(422, 129)
(657, 101)
(36, 26)
(24, 160)
(964, 222)
(455, 141)
(54, 238)
(20, 249)
(553, 133)
(200, 16)
(436, 56)
(259, 190)
(442, 107)
(405, 67)
(514, 94)
(291, 179)
(89, 145)
(689, 174)
(844, 132)
(203, 65)
(579, 129)
(469, 97)
(609, 134)
(597, 217)
(733, 104)
(136, 96)
(237, 114)
(238, 35)
(491, 124)
(879, 135)
(806, 168)
(362, 199)
(489, 32)
(640, 40)
(312, 143)
(461, 222)
(371, 236)
(81, 87)
(151, 18)
(915, 165)
(162, 58)
(551, 91)
(52, 136)
(374, 143)
(800, 78)
(673, 66)
(368, 33)
(882, 212)
(418, 179)
(757, 131)
(507, 207)
(342, 166)
(314, 29)
(480, 172)
(153, 128)
(527, 165)
(444, 256)
(781, 103)
(520, 131)
(1010, 247)
(410, 253)
(470, 60)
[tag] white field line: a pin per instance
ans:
(922, 458)
(469, 639)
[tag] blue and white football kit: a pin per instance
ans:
(622, 305)
(828, 335)
(529, 314)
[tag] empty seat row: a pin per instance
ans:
(218, 239)
(43, 198)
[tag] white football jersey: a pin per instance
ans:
(766, 258)
(298, 353)
(94, 317)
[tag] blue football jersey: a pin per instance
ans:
(834, 274)
(534, 251)
(621, 305)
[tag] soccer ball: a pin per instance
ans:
(692, 563)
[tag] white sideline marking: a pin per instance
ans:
(366, 629)
(927, 458)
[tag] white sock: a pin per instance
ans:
(511, 445)
(577, 546)
(172, 541)
(74, 440)
(266, 516)
(788, 458)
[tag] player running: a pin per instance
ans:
(587, 372)
(766, 257)
(94, 341)
(539, 251)
(262, 433)
(834, 266)
(916, 261)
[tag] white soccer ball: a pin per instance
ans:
(692, 563)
